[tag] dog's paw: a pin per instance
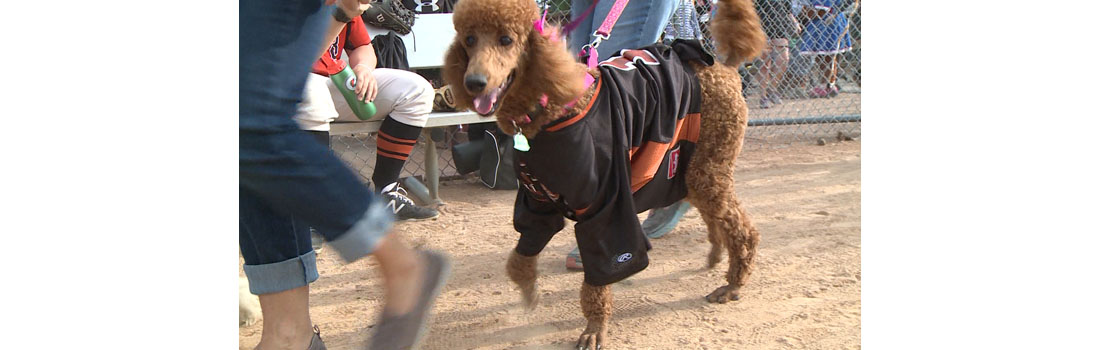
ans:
(723, 295)
(593, 337)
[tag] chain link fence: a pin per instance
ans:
(810, 95)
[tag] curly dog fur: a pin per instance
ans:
(539, 64)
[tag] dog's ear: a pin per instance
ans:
(454, 73)
(549, 66)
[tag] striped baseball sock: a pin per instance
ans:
(395, 144)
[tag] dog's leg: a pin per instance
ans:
(717, 244)
(596, 304)
(733, 228)
(523, 270)
(743, 238)
(724, 117)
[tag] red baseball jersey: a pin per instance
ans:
(354, 35)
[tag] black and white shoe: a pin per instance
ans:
(397, 199)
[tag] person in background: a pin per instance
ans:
(403, 100)
(826, 35)
(640, 24)
(289, 182)
(780, 25)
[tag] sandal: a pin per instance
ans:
(405, 331)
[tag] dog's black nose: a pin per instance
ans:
(476, 82)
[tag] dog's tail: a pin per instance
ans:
(737, 31)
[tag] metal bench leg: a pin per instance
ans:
(431, 167)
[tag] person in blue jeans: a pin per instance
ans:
(641, 23)
(289, 183)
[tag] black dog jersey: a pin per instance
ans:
(625, 153)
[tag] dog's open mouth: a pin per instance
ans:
(486, 104)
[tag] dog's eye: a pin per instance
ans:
(505, 40)
(471, 40)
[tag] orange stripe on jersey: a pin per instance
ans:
(580, 115)
(691, 128)
(645, 160)
(580, 212)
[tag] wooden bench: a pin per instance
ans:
(435, 34)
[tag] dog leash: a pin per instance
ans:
(603, 32)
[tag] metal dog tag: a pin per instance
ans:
(520, 143)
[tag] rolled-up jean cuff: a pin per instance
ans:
(283, 275)
(363, 237)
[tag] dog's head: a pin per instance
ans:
(499, 63)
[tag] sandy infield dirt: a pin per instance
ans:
(804, 293)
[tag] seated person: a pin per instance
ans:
(404, 99)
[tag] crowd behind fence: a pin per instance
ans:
(809, 111)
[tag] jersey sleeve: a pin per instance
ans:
(536, 221)
(357, 34)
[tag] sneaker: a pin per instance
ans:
(390, 14)
(833, 90)
(661, 221)
(403, 207)
(764, 103)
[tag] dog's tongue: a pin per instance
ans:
(484, 103)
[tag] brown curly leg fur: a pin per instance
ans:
(716, 248)
(596, 304)
(740, 239)
(710, 178)
(523, 270)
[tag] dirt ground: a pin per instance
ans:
(804, 293)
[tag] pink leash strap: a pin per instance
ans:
(612, 16)
(603, 32)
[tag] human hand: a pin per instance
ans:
(366, 87)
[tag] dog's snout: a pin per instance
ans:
(476, 82)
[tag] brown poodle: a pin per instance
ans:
(500, 64)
